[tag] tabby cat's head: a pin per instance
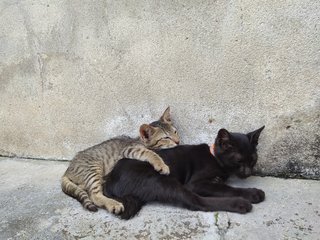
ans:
(160, 134)
(237, 152)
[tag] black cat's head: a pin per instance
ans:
(237, 152)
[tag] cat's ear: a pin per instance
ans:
(146, 131)
(223, 135)
(224, 138)
(166, 117)
(254, 136)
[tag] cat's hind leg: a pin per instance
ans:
(73, 190)
(132, 205)
(96, 195)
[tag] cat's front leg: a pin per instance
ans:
(159, 165)
(230, 204)
(144, 154)
(254, 195)
(211, 189)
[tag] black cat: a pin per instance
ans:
(196, 177)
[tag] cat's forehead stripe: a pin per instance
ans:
(160, 125)
(156, 124)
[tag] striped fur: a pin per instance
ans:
(84, 177)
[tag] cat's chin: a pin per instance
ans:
(242, 175)
(168, 147)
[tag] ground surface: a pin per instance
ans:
(33, 207)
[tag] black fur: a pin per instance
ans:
(196, 178)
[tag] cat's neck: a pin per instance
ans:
(219, 162)
(211, 146)
(212, 151)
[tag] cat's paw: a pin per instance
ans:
(114, 207)
(255, 195)
(92, 208)
(241, 205)
(162, 168)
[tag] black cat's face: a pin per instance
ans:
(237, 152)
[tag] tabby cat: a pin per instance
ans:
(196, 179)
(84, 177)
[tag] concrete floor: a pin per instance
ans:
(33, 207)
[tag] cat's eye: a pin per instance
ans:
(227, 146)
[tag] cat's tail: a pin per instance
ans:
(73, 190)
(132, 205)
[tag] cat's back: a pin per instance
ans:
(184, 153)
(109, 149)
(118, 142)
(184, 160)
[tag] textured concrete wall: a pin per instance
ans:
(74, 73)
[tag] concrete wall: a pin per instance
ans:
(74, 73)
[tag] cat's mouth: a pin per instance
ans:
(244, 172)
(174, 142)
(242, 176)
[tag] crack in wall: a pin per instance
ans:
(41, 71)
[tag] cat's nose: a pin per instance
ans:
(247, 172)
